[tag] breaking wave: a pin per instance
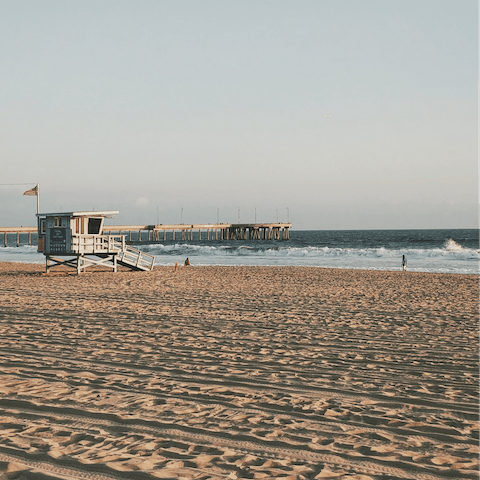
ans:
(452, 246)
(446, 259)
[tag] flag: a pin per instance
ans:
(32, 191)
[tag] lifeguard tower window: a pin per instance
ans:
(57, 222)
(94, 225)
(43, 227)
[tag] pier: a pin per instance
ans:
(183, 232)
(17, 231)
(212, 231)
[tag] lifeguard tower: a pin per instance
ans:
(75, 239)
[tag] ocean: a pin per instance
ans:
(443, 251)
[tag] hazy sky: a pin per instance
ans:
(351, 114)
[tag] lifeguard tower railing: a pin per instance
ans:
(88, 243)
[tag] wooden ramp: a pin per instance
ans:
(135, 259)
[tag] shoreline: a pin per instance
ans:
(238, 372)
(124, 269)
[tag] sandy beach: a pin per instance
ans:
(238, 372)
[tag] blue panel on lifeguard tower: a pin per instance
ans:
(58, 240)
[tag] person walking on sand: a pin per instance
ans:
(404, 263)
(187, 262)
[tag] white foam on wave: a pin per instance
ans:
(452, 246)
(380, 252)
(180, 248)
(21, 254)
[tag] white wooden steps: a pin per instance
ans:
(135, 259)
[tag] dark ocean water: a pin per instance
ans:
(449, 251)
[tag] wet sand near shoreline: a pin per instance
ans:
(238, 372)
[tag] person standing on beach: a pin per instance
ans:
(404, 263)
(187, 262)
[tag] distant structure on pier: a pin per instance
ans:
(78, 235)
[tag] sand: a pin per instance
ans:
(238, 372)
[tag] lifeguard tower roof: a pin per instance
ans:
(106, 213)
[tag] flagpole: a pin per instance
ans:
(38, 198)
